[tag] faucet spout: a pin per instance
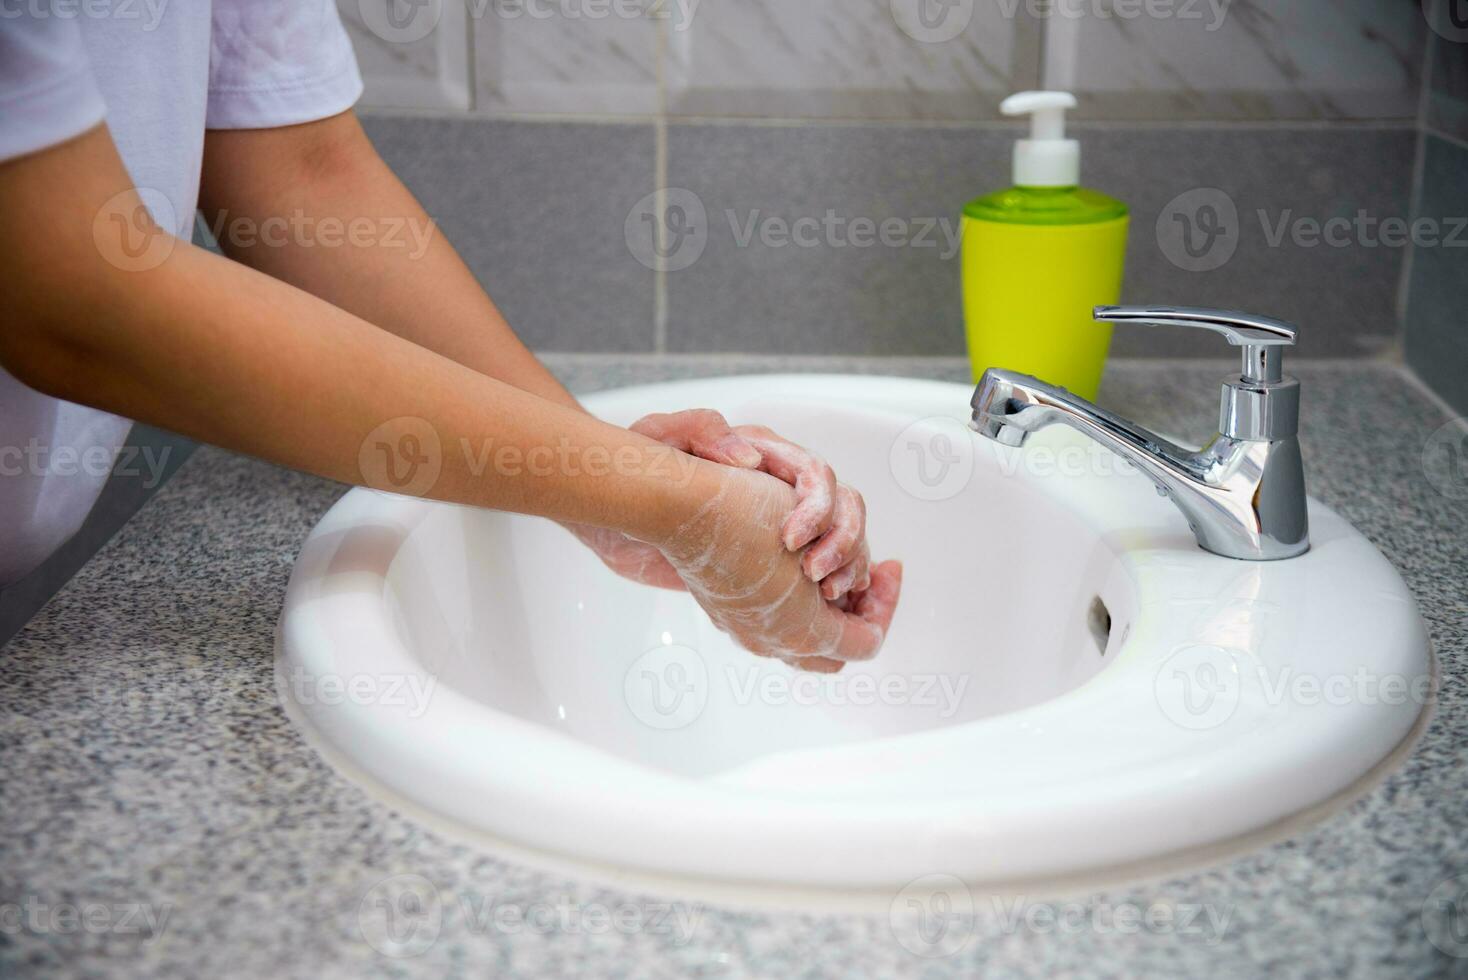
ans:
(1242, 497)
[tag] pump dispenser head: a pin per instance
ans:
(1047, 158)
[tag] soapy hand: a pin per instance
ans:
(831, 515)
(733, 557)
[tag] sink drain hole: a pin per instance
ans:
(1098, 621)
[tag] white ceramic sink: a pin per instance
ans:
(1071, 686)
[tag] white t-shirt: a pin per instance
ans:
(158, 72)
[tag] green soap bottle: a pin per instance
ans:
(1039, 256)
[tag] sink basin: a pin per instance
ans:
(1071, 687)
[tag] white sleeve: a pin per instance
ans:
(47, 91)
(278, 63)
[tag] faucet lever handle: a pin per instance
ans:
(1260, 336)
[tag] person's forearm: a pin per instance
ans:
(344, 228)
(227, 355)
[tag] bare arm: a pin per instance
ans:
(172, 335)
(315, 206)
(397, 271)
(231, 356)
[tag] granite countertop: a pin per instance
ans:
(163, 818)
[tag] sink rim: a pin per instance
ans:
(761, 813)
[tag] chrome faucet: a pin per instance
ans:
(1244, 492)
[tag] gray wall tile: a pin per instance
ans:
(1239, 60)
(825, 299)
(536, 58)
(418, 58)
(861, 59)
(1447, 89)
(538, 212)
(1284, 185)
(1437, 296)
(884, 300)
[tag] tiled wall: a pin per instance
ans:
(1437, 289)
(697, 175)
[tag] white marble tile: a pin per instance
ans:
(851, 58)
(412, 54)
(566, 56)
(1246, 59)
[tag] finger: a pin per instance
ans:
(866, 626)
(816, 665)
(813, 479)
(701, 432)
(855, 575)
(844, 541)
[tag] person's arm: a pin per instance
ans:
(314, 205)
(344, 228)
(105, 309)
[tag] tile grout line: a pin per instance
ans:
(995, 124)
(1414, 193)
(1438, 401)
(1452, 139)
(660, 188)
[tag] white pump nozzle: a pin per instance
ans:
(1047, 158)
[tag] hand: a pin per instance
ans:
(830, 514)
(732, 554)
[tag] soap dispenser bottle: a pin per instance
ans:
(1039, 256)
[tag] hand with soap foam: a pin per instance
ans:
(828, 521)
(731, 553)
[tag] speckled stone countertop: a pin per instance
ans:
(162, 817)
